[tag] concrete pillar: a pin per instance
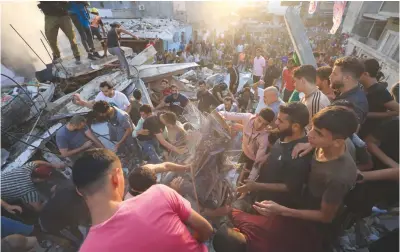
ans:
(352, 16)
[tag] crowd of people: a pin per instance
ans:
(325, 139)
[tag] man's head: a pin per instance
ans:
(271, 62)
(107, 89)
(141, 179)
(165, 84)
(98, 172)
(137, 94)
(77, 122)
(331, 126)
(304, 76)
(174, 90)
(41, 173)
(115, 25)
(292, 119)
(258, 52)
(228, 103)
(346, 72)
(202, 86)
(323, 74)
(271, 95)
(319, 57)
(291, 64)
(145, 111)
(228, 63)
(168, 118)
(263, 119)
(103, 109)
(372, 68)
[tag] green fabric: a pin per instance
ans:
(296, 59)
(294, 97)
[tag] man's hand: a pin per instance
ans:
(60, 166)
(87, 144)
(13, 209)
(116, 147)
(261, 82)
(268, 207)
(78, 100)
(181, 150)
(248, 187)
(176, 184)
(301, 149)
(143, 132)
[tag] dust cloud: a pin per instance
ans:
(28, 20)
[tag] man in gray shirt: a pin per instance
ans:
(75, 137)
(120, 128)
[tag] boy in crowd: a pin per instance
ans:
(228, 106)
(136, 103)
(323, 82)
(381, 105)
(207, 101)
(314, 99)
(108, 94)
(98, 177)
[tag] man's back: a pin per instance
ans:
(152, 221)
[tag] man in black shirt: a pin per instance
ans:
(207, 101)
(233, 76)
(175, 101)
(271, 74)
(151, 136)
(381, 104)
(281, 177)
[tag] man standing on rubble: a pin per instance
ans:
(114, 47)
(233, 77)
(75, 137)
(56, 17)
(108, 94)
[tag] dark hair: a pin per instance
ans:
(89, 171)
(344, 103)
(174, 86)
(372, 67)
(340, 122)
(141, 179)
(101, 107)
(307, 72)
(169, 117)
(324, 72)
(395, 92)
(165, 80)
(228, 62)
(137, 94)
(267, 114)
(77, 120)
(106, 84)
(145, 108)
(202, 82)
(350, 65)
(297, 113)
(318, 54)
(228, 99)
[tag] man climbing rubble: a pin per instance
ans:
(113, 36)
(56, 17)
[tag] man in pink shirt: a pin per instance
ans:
(255, 135)
(258, 66)
(156, 220)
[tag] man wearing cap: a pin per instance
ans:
(17, 185)
(95, 25)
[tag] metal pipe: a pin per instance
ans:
(66, 72)
(28, 44)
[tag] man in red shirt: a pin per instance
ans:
(287, 80)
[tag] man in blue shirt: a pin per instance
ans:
(81, 19)
(176, 101)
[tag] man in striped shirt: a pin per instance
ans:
(305, 78)
(18, 184)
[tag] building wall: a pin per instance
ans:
(353, 12)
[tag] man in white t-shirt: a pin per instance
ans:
(108, 94)
(258, 66)
(267, 98)
(305, 81)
